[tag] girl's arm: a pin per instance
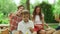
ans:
(44, 22)
(47, 25)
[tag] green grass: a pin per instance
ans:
(53, 25)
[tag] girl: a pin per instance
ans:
(38, 19)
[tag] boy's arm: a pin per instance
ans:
(19, 28)
(31, 27)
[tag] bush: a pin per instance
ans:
(47, 9)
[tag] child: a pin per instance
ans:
(25, 26)
(38, 19)
(58, 28)
(15, 19)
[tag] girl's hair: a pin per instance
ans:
(34, 13)
(20, 6)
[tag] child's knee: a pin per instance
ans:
(34, 32)
(50, 31)
(43, 31)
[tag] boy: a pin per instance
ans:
(25, 26)
(15, 19)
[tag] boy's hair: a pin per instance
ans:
(20, 6)
(25, 12)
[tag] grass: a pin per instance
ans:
(53, 25)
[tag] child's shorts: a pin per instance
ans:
(37, 28)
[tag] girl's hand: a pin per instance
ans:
(47, 25)
(40, 26)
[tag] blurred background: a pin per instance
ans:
(50, 8)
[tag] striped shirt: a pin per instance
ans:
(14, 20)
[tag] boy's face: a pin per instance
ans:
(25, 17)
(18, 13)
(21, 8)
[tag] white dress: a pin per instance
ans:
(38, 20)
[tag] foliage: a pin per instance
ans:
(23, 2)
(6, 6)
(57, 8)
(6, 21)
(48, 12)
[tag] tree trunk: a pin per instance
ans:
(28, 5)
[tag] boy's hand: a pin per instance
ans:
(31, 29)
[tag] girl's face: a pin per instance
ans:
(37, 10)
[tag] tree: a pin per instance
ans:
(48, 12)
(6, 6)
(28, 5)
(57, 10)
